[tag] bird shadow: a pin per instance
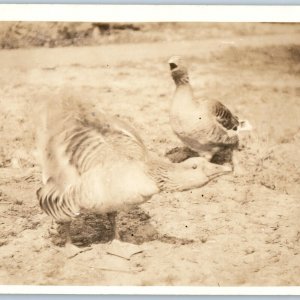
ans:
(179, 154)
(133, 227)
(223, 156)
(136, 228)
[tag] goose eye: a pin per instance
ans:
(194, 166)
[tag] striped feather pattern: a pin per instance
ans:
(87, 158)
(225, 117)
(60, 206)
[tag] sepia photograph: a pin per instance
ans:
(150, 153)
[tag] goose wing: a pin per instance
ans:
(79, 147)
(224, 116)
(98, 139)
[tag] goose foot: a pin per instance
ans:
(71, 250)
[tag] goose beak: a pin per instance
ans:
(173, 62)
(172, 66)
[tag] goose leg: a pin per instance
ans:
(67, 232)
(222, 156)
(70, 250)
(112, 220)
(238, 170)
(207, 155)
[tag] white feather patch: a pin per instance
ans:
(245, 126)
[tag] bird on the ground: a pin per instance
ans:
(205, 126)
(98, 163)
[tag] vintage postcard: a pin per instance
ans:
(153, 148)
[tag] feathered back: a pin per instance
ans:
(90, 160)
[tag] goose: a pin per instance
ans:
(205, 126)
(95, 162)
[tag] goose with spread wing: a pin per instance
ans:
(95, 162)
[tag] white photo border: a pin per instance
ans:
(148, 13)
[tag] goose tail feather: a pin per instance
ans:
(61, 206)
(244, 125)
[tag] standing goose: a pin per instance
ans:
(204, 126)
(94, 162)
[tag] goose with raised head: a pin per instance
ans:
(98, 163)
(205, 126)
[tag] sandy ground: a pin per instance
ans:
(234, 231)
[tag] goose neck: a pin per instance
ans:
(181, 79)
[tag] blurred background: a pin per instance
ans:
(58, 34)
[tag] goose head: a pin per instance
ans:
(176, 62)
(197, 171)
(189, 174)
(178, 69)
